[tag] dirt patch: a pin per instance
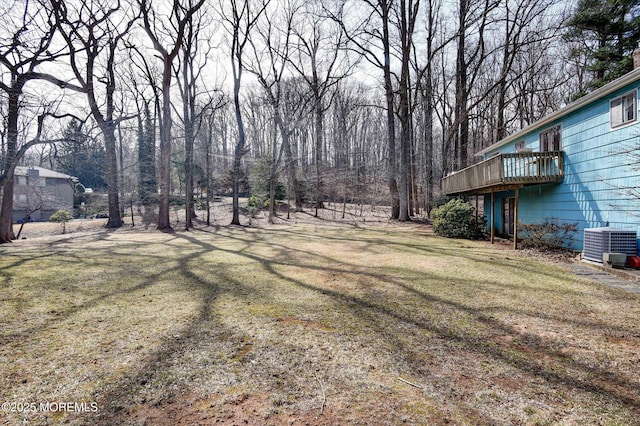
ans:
(245, 409)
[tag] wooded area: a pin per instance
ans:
(159, 102)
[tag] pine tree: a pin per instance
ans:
(147, 181)
(605, 33)
(83, 157)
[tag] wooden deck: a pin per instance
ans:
(506, 171)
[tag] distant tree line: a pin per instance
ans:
(362, 101)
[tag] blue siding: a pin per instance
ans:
(598, 174)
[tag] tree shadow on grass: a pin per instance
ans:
(137, 386)
(439, 247)
(526, 356)
(532, 356)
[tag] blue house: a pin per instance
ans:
(580, 165)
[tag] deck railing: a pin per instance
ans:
(524, 168)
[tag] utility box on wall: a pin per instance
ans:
(598, 241)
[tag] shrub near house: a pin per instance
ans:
(548, 234)
(457, 219)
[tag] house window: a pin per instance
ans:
(550, 139)
(623, 109)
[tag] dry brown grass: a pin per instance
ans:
(310, 324)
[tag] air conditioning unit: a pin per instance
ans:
(598, 241)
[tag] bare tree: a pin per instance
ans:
(24, 49)
(470, 17)
(271, 54)
(192, 61)
(376, 28)
(525, 24)
(240, 19)
(321, 60)
(425, 96)
(407, 16)
(171, 30)
(93, 33)
(143, 82)
(208, 114)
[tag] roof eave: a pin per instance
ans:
(585, 100)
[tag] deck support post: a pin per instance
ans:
(515, 220)
(493, 210)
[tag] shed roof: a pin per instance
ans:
(44, 173)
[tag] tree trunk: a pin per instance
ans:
(461, 118)
(319, 117)
(273, 175)
(188, 110)
(272, 194)
(414, 207)
(238, 153)
(121, 169)
(115, 219)
(188, 171)
(6, 219)
(164, 223)
(428, 141)
(208, 167)
(406, 29)
(10, 162)
(405, 159)
(223, 138)
(391, 130)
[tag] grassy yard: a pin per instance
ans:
(308, 325)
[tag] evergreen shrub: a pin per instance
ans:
(61, 217)
(457, 219)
